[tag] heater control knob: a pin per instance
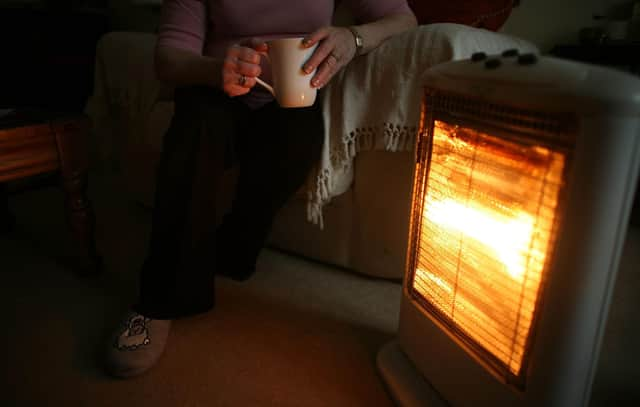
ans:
(527, 59)
(510, 53)
(492, 63)
(478, 56)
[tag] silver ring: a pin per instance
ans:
(243, 80)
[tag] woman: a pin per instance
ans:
(211, 51)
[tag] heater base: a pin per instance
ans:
(405, 383)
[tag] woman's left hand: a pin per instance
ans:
(336, 49)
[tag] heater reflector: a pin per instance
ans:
(483, 229)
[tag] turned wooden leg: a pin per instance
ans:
(71, 135)
(7, 220)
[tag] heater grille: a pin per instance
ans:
(487, 194)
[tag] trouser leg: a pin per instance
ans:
(178, 275)
(276, 154)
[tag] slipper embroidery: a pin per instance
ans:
(135, 334)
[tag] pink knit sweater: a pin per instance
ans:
(208, 27)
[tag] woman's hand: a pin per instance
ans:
(336, 49)
(241, 66)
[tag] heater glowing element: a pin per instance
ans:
(507, 239)
(487, 224)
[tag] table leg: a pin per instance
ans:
(7, 221)
(71, 140)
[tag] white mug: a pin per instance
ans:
(291, 85)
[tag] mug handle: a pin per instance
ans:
(263, 83)
(266, 85)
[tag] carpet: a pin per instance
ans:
(298, 333)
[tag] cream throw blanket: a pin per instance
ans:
(373, 104)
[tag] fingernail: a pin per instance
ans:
(315, 82)
(307, 69)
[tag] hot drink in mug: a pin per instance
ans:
(291, 85)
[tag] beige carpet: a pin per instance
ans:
(297, 334)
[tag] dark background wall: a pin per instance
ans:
(551, 22)
(48, 47)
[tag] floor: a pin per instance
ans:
(303, 343)
(310, 341)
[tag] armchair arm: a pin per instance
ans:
(374, 104)
(124, 93)
(385, 86)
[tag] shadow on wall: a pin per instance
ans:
(531, 20)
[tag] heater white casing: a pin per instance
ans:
(600, 187)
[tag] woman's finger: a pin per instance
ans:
(316, 36)
(257, 44)
(236, 84)
(247, 69)
(326, 70)
(244, 81)
(339, 56)
(319, 55)
(234, 64)
(244, 53)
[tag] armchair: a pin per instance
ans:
(361, 190)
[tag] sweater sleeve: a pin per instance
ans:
(366, 11)
(183, 24)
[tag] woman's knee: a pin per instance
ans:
(192, 100)
(201, 109)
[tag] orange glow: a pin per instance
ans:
(507, 239)
(487, 226)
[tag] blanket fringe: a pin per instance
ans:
(395, 138)
(318, 198)
(399, 138)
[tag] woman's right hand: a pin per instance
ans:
(241, 66)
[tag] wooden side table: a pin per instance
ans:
(38, 143)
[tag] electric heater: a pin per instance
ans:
(524, 178)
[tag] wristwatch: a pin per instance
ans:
(359, 41)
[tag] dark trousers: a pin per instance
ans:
(275, 149)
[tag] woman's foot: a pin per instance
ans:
(136, 345)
